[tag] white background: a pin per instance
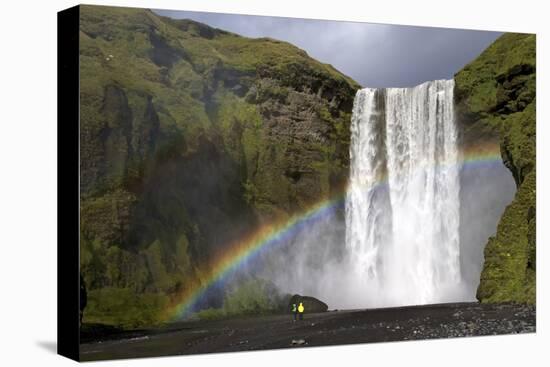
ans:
(28, 198)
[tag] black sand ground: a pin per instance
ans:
(329, 328)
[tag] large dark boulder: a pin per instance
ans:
(311, 304)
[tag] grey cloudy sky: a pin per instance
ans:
(375, 55)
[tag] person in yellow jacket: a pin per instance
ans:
(301, 310)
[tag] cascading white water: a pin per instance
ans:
(402, 207)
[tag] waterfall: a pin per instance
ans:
(402, 206)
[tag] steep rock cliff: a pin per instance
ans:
(190, 136)
(496, 99)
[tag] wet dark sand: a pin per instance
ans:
(329, 328)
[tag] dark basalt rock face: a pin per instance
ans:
(496, 99)
(190, 136)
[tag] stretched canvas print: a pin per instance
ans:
(249, 183)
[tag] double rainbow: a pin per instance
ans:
(267, 236)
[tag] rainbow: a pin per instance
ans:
(269, 235)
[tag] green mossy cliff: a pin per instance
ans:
(496, 98)
(191, 135)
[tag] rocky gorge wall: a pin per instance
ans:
(495, 98)
(191, 135)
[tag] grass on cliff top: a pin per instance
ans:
(507, 51)
(116, 48)
(246, 54)
(199, 44)
(477, 80)
(478, 87)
